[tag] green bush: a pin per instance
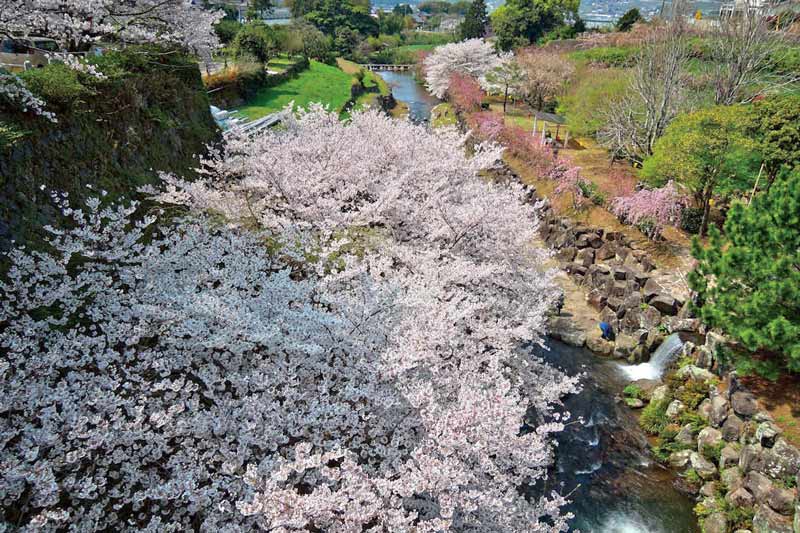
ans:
(654, 416)
(713, 452)
(226, 30)
(255, 40)
(609, 56)
(692, 392)
(691, 218)
(9, 135)
(697, 422)
(585, 104)
(56, 84)
(633, 391)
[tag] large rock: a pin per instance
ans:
(647, 318)
(781, 500)
(659, 393)
(596, 298)
(719, 410)
(768, 521)
(607, 251)
(708, 437)
(703, 357)
(704, 409)
(732, 428)
(563, 329)
(744, 403)
(740, 498)
(652, 289)
(729, 456)
(759, 486)
(704, 468)
(666, 305)
(597, 344)
(648, 387)
(695, 372)
(585, 257)
(677, 325)
(685, 436)
(566, 255)
(715, 523)
(625, 344)
(679, 460)
(766, 434)
(731, 477)
(675, 408)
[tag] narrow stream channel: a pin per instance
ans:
(617, 487)
(406, 89)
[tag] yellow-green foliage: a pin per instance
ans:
(590, 97)
(654, 416)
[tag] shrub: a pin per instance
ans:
(609, 56)
(691, 219)
(697, 422)
(712, 452)
(692, 393)
(654, 416)
(56, 84)
(633, 391)
(585, 103)
(464, 92)
(255, 40)
(226, 30)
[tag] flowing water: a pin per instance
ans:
(406, 89)
(617, 487)
(658, 363)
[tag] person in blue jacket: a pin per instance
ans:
(608, 332)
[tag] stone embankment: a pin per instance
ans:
(730, 453)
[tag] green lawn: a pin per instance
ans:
(320, 83)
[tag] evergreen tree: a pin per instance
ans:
(626, 21)
(748, 282)
(475, 21)
(522, 22)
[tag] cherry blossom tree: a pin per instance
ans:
(473, 57)
(79, 21)
(337, 348)
(465, 92)
(654, 208)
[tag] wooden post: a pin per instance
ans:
(558, 128)
(544, 131)
(534, 125)
(566, 137)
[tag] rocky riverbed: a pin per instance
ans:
(722, 450)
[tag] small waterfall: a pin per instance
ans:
(658, 362)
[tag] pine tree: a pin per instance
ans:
(748, 281)
(475, 21)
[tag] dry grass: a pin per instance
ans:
(781, 399)
(672, 253)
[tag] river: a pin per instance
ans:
(618, 487)
(406, 89)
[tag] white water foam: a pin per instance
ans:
(625, 523)
(654, 369)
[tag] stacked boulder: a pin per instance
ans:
(745, 474)
(621, 283)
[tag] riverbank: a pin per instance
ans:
(724, 450)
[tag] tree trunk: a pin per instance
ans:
(505, 100)
(706, 210)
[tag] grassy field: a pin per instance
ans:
(320, 83)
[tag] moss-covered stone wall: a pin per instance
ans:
(150, 114)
